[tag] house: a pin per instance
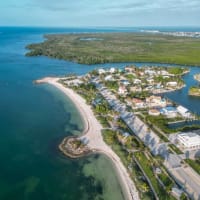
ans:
(130, 69)
(75, 82)
(122, 90)
(138, 103)
(156, 101)
(135, 89)
(165, 77)
(148, 88)
(141, 73)
(158, 170)
(183, 111)
(164, 73)
(129, 101)
(112, 70)
(109, 78)
(150, 72)
(150, 80)
(125, 82)
(137, 81)
(172, 84)
(101, 71)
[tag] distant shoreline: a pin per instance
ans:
(92, 131)
(133, 47)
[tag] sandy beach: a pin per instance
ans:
(93, 134)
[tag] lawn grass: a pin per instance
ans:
(146, 166)
(195, 164)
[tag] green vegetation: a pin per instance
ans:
(102, 108)
(175, 149)
(140, 95)
(119, 47)
(87, 91)
(183, 197)
(194, 91)
(195, 164)
(166, 181)
(113, 85)
(162, 123)
(147, 166)
(110, 137)
(103, 121)
(176, 70)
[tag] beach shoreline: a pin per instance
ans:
(92, 132)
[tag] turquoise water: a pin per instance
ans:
(35, 118)
(33, 121)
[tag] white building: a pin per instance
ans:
(169, 111)
(112, 70)
(172, 84)
(101, 71)
(137, 81)
(109, 78)
(189, 141)
(183, 111)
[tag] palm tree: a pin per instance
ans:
(144, 187)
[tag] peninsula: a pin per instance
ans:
(93, 48)
(92, 134)
(128, 119)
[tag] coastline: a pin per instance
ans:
(96, 143)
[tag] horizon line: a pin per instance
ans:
(149, 26)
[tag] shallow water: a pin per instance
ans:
(33, 121)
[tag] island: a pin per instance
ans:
(197, 77)
(128, 118)
(195, 90)
(93, 48)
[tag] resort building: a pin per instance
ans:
(189, 141)
(169, 111)
(155, 101)
(183, 111)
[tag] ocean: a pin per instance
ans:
(33, 121)
(35, 118)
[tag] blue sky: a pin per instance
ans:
(130, 13)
